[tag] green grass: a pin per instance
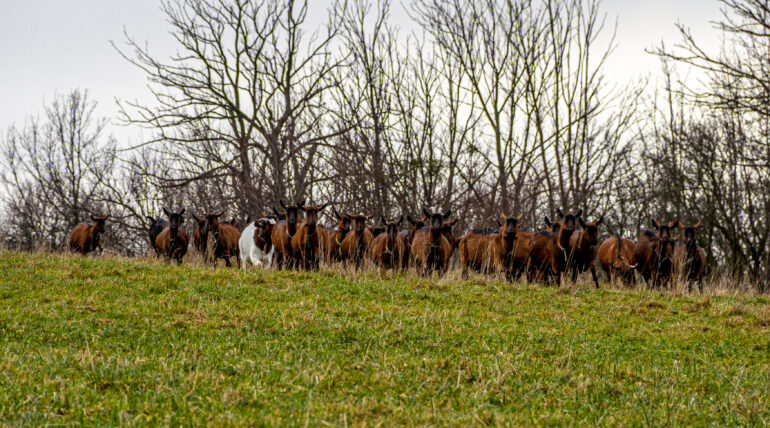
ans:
(113, 341)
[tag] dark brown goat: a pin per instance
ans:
(222, 240)
(582, 246)
(199, 240)
(654, 254)
(86, 237)
(283, 232)
(430, 248)
(446, 230)
(173, 241)
(156, 227)
(377, 230)
(689, 258)
(306, 242)
(356, 243)
(388, 249)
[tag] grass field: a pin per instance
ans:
(112, 341)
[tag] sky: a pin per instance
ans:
(50, 47)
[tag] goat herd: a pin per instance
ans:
(290, 242)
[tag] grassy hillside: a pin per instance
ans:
(117, 341)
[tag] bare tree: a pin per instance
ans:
(244, 100)
(719, 154)
(55, 168)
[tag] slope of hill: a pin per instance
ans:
(114, 341)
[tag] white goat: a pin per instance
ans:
(256, 245)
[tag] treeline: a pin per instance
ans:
(494, 106)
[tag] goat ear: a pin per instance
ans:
(181, 212)
(547, 221)
(447, 214)
(95, 218)
(275, 211)
(152, 220)
(579, 213)
(409, 218)
(673, 224)
(582, 223)
(301, 203)
(601, 219)
(425, 212)
(559, 213)
(677, 238)
(369, 217)
(521, 216)
(198, 219)
(453, 223)
(681, 225)
(697, 225)
(323, 206)
(382, 217)
(498, 223)
(219, 215)
(655, 223)
(336, 214)
(280, 201)
(165, 211)
(503, 216)
(400, 219)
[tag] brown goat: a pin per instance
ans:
(492, 251)
(539, 252)
(474, 250)
(331, 239)
(502, 247)
(582, 246)
(222, 240)
(283, 232)
(689, 258)
(406, 236)
(356, 243)
(561, 252)
(86, 237)
(173, 241)
(548, 249)
(430, 248)
(306, 242)
(388, 249)
(616, 255)
(654, 254)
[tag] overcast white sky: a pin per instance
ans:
(50, 46)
